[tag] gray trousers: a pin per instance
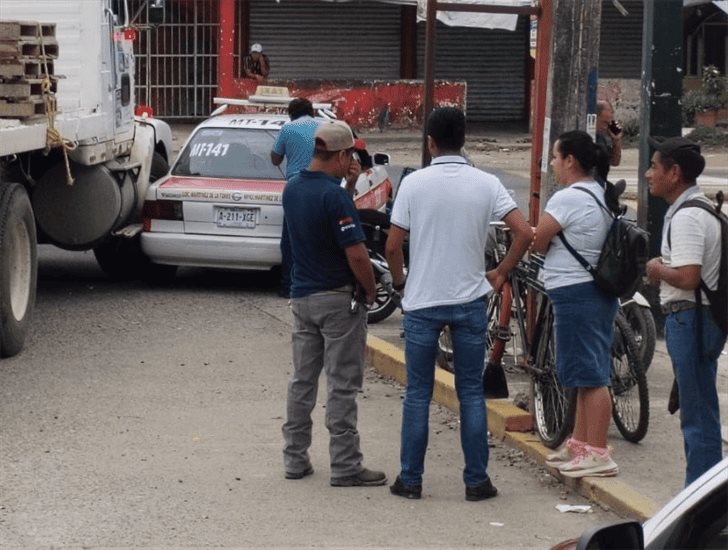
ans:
(325, 335)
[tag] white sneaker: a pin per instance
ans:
(566, 453)
(590, 464)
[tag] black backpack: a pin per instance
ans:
(719, 297)
(624, 254)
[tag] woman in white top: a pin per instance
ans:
(583, 314)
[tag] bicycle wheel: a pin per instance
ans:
(630, 397)
(444, 357)
(553, 407)
(642, 324)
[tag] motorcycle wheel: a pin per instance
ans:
(642, 324)
(383, 306)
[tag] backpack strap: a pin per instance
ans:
(579, 258)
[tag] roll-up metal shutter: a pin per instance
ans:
(313, 39)
(620, 48)
(491, 61)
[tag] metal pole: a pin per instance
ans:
(430, 32)
(226, 45)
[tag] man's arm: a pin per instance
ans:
(395, 255)
(616, 157)
(547, 229)
(686, 277)
(264, 66)
(358, 260)
(276, 159)
(522, 236)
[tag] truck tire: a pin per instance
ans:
(18, 267)
(121, 258)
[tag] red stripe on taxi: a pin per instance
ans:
(177, 182)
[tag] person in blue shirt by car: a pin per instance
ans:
(295, 142)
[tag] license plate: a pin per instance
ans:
(245, 218)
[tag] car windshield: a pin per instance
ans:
(229, 153)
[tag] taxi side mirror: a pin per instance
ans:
(625, 535)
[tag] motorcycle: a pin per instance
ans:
(375, 225)
(637, 310)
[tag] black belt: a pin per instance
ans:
(677, 305)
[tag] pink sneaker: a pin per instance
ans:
(590, 463)
(567, 452)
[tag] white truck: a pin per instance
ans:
(75, 58)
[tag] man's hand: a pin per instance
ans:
(652, 270)
(496, 279)
(352, 176)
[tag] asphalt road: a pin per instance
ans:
(150, 417)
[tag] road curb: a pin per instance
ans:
(513, 426)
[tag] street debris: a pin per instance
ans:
(576, 508)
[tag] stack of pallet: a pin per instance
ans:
(27, 51)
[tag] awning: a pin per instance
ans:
(479, 20)
(465, 19)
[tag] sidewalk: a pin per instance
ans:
(651, 472)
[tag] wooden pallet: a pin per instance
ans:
(14, 30)
(27, 67)
(30, 47)
(32, 106)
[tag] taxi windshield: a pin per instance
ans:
(229, 153)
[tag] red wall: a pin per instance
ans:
(362, 103)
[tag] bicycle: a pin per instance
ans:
(554, 407)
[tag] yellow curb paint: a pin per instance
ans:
(388, 360)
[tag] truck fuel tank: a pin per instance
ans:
(79, 216)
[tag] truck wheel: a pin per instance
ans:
(121, 258)
(18, 267)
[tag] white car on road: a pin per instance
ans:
(220, 204)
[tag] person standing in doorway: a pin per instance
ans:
(256, 64)
(332, 282)
(447, 285)
(690, 253)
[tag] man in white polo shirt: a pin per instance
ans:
(690, 253)
(446, 209)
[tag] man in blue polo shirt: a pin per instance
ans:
(331, 264)
(295, 143)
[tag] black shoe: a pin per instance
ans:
(481, 492)
(300, 475)
(365, 478)
(407, 491)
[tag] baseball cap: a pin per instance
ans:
(256, 48)
(684, 152)
(334, 135)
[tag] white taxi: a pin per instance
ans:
(220, 204)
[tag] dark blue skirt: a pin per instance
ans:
(584, 327)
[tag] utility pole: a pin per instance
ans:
(572, 79)
(660, 113)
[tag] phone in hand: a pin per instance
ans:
(615, 127)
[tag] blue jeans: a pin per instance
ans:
(422, 328)
(696, 381)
